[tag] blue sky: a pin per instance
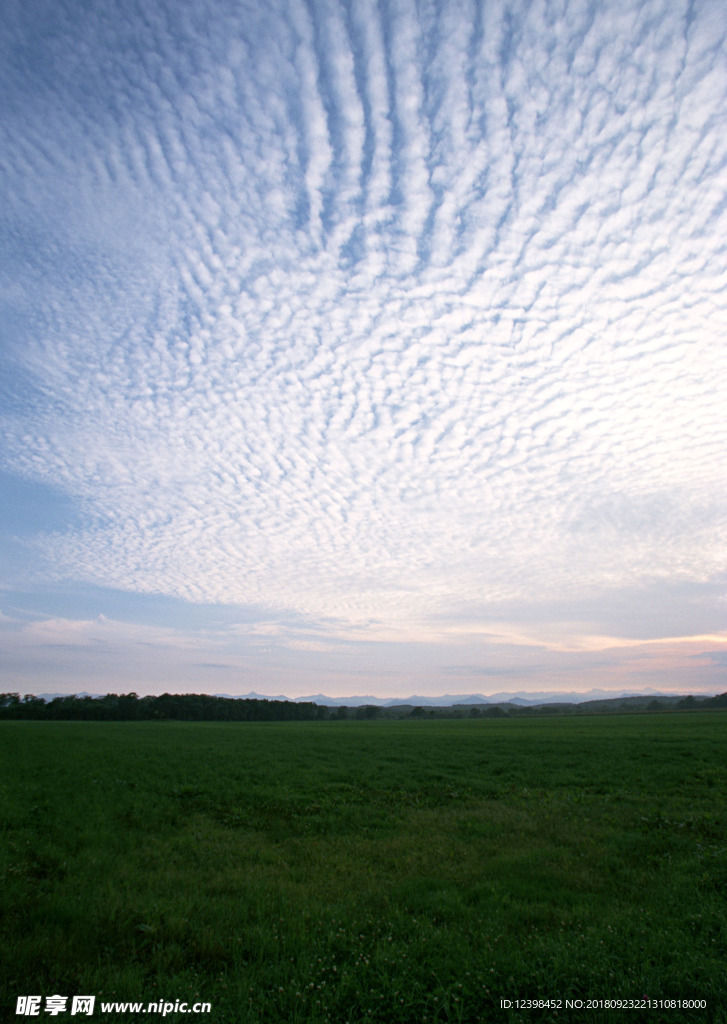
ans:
(363, 347)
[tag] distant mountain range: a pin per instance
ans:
(521, 698)
(448, 699)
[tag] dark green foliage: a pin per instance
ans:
(200, 707)
(403, 872)
(186, 707)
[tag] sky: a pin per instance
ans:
(363, 347)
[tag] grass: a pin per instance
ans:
(367, 871)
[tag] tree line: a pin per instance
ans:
(129, 707)
(201, 707)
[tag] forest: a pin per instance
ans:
(201, 707)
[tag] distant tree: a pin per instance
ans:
(493, 711)
(33, 707)
(368, 711)
(9, 701)
(686, 702)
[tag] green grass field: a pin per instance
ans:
(367, 871)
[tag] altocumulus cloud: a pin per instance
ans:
(408, 314)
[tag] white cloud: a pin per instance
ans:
(367, 317)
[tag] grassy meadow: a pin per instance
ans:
(411, 872)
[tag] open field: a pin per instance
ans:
(367, 871)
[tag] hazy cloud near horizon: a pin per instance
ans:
(388, 323)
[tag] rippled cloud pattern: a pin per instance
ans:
(406, 316)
